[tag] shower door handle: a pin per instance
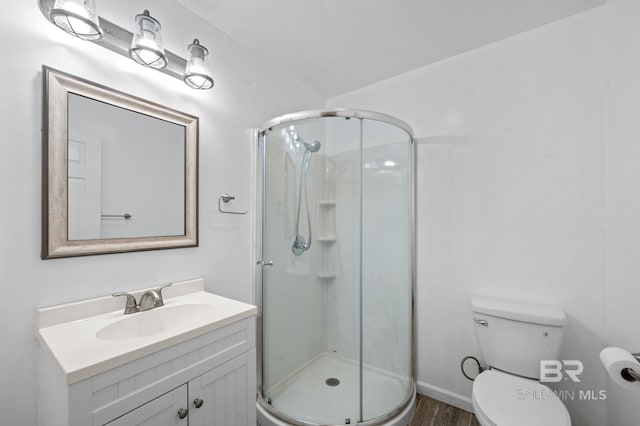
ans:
(265, 262)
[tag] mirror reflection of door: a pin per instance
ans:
(85, 185)
(128, 179)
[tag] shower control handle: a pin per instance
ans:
(265, 262)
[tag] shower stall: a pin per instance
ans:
(335, 270)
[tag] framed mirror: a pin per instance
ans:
(119, 174)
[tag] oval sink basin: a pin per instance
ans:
(154, 321)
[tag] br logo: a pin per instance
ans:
(552, 370)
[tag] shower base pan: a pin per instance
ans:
(326, 392)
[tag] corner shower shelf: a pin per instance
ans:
(327, 203)
(326, 275)
(327, 239)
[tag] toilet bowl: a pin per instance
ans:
(513, 338)
(501, 399)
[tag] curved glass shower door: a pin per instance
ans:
(386, 260)
(336, 274)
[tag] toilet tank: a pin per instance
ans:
(515, 336)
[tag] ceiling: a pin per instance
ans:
(336, 46)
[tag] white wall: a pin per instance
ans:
(511, 192)
(247, 92)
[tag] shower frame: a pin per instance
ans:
(260, 204)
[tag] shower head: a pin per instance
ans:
(312, 147)
(295, 137)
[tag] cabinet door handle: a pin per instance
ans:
(182, 413)
(198, 402)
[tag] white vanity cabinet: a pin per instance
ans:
(204, 374)
(161, 411)
(217, 368)
(218, 397)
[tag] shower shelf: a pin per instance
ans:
(327, 239)
(326, 275)
(327, 203)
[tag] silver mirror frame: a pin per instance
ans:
(55, 244)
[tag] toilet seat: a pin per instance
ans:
(501, 399)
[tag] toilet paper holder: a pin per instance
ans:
(629, 374)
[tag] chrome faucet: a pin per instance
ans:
(150, 299)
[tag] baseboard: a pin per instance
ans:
(445, 396)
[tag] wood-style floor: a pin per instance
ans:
(430, 412)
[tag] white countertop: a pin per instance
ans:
(69, 331)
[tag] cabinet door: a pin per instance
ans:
(226, 395)
(162, 411)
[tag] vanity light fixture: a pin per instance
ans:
(197, 74)
(146, 46)
(77, 17)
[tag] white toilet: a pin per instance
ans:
(514, 337)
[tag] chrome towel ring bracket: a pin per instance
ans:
(226, 198)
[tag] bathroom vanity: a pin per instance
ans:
(189, 362)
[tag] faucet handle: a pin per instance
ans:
(132, 305)
(160, 302)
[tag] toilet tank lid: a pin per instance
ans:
(519, 311)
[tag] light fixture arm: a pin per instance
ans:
(118, 40)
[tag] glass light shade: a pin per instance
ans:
(77, 17)
(197, 74)
(146, 46)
